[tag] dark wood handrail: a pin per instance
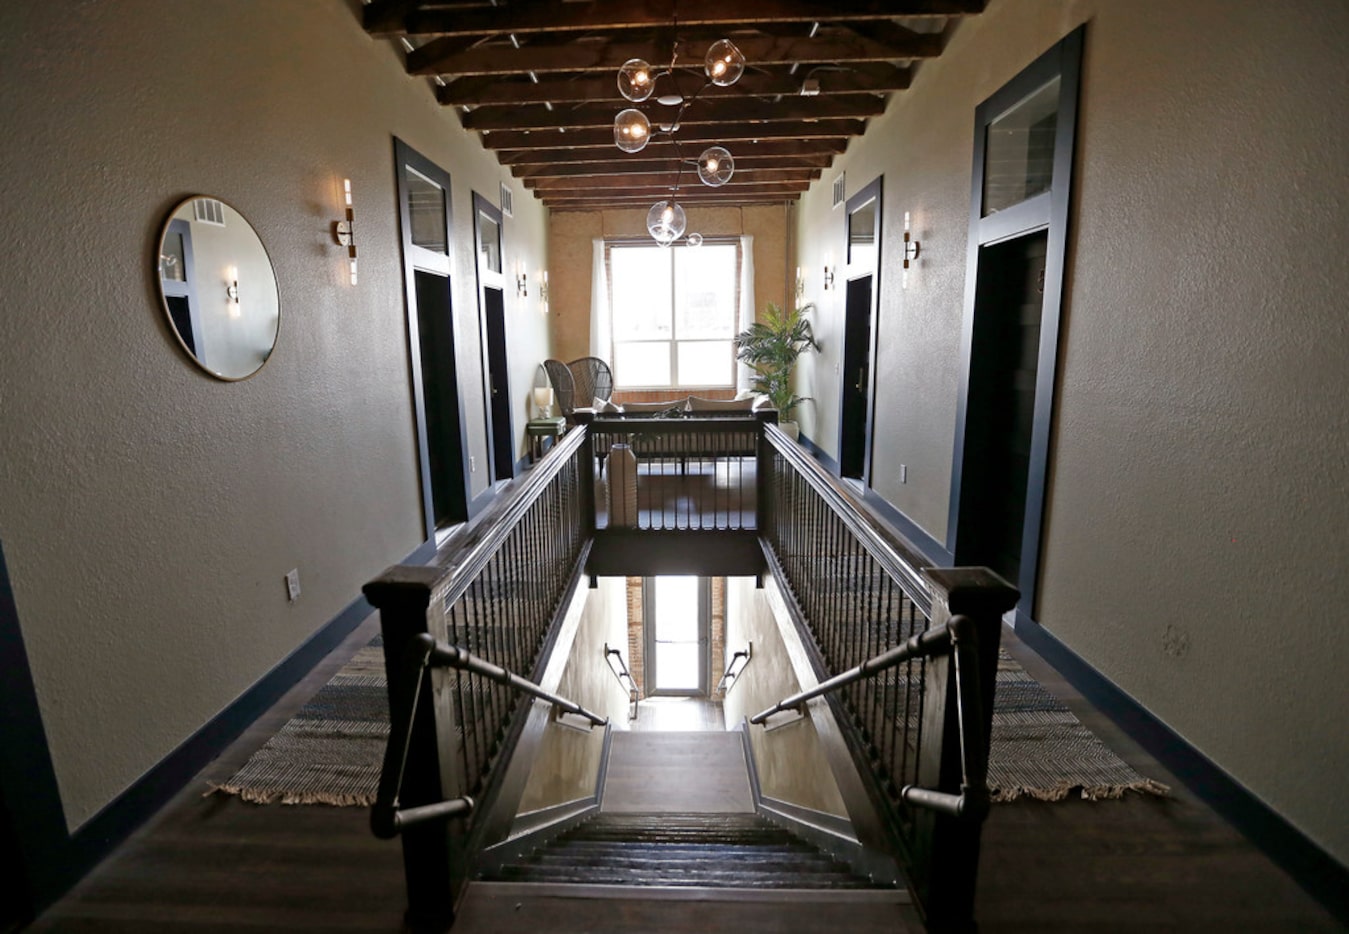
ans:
(497, 523)
(895, 557)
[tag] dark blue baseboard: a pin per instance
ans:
(1319, 873)
(51, 860)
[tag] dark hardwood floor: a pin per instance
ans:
(1141, 864)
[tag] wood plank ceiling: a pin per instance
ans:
(537, 79)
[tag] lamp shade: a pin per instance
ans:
(543, 396)
(632, 130)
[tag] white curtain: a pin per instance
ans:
(745, 316)
(601, 341)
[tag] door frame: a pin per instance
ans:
(649, 663)
(853, 271)
(495, 279)
(417, 258)
(1047, 210)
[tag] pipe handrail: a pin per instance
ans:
(959, 635)
(731, 675)
(894, 557)
(424, 651)
(924, 644)
(631, 686)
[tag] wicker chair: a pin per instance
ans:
(578, 384)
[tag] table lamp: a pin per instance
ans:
(543, 401)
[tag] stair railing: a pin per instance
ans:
(501, 594)
(907, 660)
(624, 678)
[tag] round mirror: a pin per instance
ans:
(218, 288)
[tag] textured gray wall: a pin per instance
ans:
(150, 511)
(1197, 521)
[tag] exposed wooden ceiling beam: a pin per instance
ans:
(481, 91)
(552, 139)
(387, 18)
(656, 14)
(645, 201)
(700, 114)
(688, 177)
(582, 169)
(658, 150)
(608, 56)
(691, 194)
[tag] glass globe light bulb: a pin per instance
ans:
(724, 63)
(632, 130)
(635, 81)
(666, 221)
(715, 166)
(695, 239)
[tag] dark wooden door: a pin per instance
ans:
(498, 380)
(856, 379)
(1009, 298)
(440, 398)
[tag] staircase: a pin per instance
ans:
(702, 850)
(677, 848)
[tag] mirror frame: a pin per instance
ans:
(164, 231)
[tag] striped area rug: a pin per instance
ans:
(330, 752)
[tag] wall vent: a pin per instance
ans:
(839, 190)
(209, 211)
(507, 201)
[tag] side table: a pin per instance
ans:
(539, 429)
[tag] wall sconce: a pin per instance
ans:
(232, 288)
(344, 231)
(800, 282)
(521, 281)
(828, 278)
(911, 250)
(543, 289)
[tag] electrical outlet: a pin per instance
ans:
(903, 473)
(293, 584)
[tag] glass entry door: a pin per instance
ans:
(677, 613)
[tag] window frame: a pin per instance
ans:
(673, 342)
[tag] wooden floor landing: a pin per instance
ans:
(215, 864)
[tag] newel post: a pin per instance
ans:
(948, 847)
(432, 862)
(587, 455)
(765, 483)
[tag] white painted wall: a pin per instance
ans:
(1197, 528)
(149, 512)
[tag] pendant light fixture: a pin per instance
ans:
(722, 65)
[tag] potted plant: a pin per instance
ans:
(771, 347)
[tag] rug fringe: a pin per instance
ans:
(1144, 786)
(277, 796)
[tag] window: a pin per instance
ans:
(674, 315)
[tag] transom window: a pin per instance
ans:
(674, 315)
